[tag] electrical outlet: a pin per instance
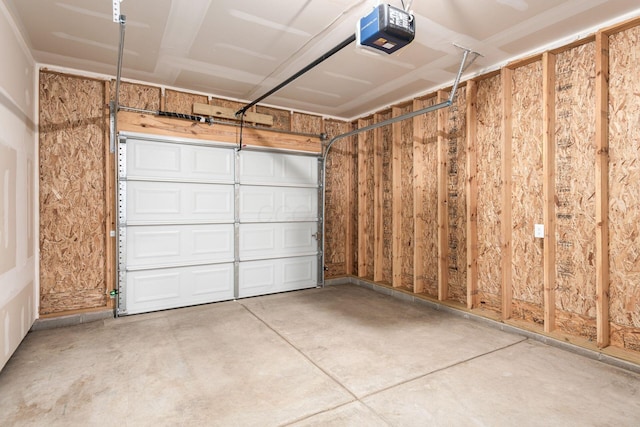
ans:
(538, 231)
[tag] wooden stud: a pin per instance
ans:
(473, 297)
(443, 205)
(163, 99)
(507, 273)
(110, 205)
(602, 190)
(348, 240)
(396, 217)
(548, 186)
(363, 192)
(378, 203)
(419, 177)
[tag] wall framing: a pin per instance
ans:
(395, 202)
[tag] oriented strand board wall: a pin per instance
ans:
(306, 123)
(489, 159)
(182, 102)
(426, 158)
(338, 188)
(455, 138)
(137, 96)
(624, 188)
(527, 196)
(575, 191)
(72, 193)
(281, 118)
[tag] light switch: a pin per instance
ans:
(538, 231)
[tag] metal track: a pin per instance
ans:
(122, 230)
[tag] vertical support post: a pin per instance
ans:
(548, 188)
(378, 203)
(419, 177)
(396, 217)
(443, 206)
(351, 204)
(507, 274)
(602, 190)
(110, 204)
(363, 207)
(473, 298)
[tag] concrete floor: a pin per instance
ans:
(342, 355)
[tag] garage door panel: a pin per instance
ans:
(276, 275)
(179, 162)
(265, 168)
(277, 240)
(268, 204)
(297, 271)
(174, 245)
(201, 223)
(174, 202)
(177, 287)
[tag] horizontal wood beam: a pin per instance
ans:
(180, 128)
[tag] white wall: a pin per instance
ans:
(18, 188)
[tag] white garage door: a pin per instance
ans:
(201, 222)
(278, 213)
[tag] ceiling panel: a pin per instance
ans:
(482, 18)
(242, 49)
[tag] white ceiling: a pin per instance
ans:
(241, 49)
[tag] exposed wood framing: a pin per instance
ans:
(350, 151)
(230, 113)
(507, 288)
(602, 190)
(396, 217)
(363, 196)
(473, 297)
(548, 185)
(110, 207)
(163, 99)
(378, 202)
(443, 205)
(419, 176)
(167, 126)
